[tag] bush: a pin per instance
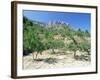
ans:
(85, 46)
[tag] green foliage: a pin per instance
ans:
(53, 44)
(85, 46)
(87, 34)
(79, 33)
(48, 35)
(38, 38)
(27, 22)
(31, 38)
(67, 32)
(72, 47)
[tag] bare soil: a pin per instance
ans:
(48, 60)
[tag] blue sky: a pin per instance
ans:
(76, 20)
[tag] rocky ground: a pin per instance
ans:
(48, 60)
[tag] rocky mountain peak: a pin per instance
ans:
(57, 25)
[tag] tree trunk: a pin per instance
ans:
(41, 52)
(88, 52)
(37, 55)
(33, 55)
(53, 51)
(74, 54)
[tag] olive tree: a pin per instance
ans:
(85, 46)
(72, 47)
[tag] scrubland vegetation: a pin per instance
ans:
(54, 38)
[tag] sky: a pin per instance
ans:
(76, 20)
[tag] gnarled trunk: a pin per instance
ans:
(74, 54)
(53, 50)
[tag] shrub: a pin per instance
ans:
(85, 46)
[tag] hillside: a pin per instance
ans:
(52, 39)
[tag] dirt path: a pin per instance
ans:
(47, 60)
